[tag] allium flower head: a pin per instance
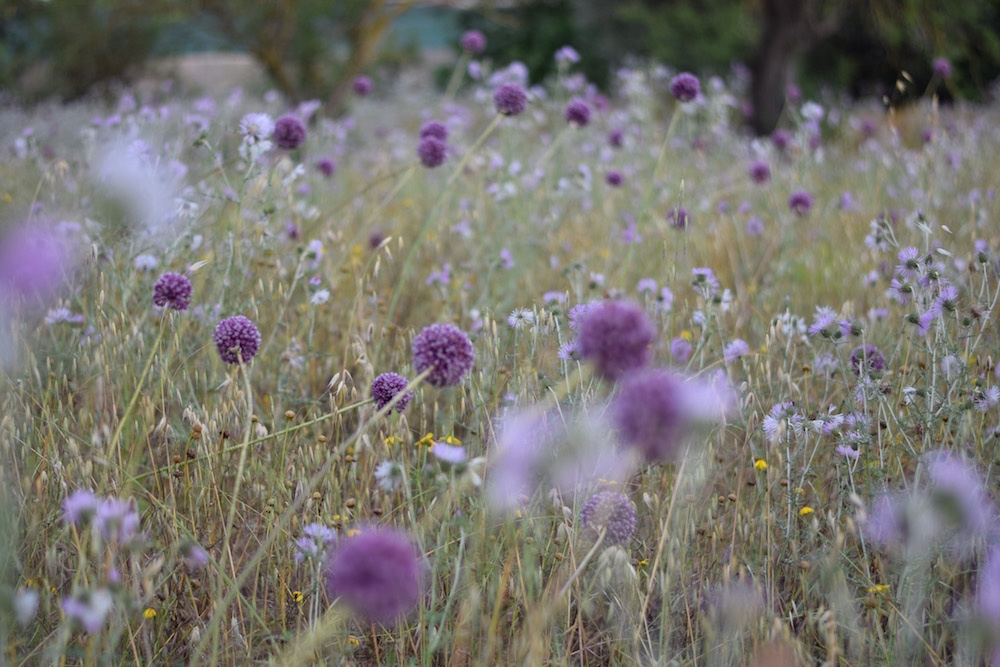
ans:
(510, 99)
(613, 512)
(867, 360)
(613, 178)
(362, 86)
(800, 202)
(434, 128)
(685, 87)
(432, 152)
(760, 172)
(447, 349)
(326, 166)
(378, 574)
(656, 409)
(473, 41)
(172, 290)
(615, 336)
(577, 112)
(237, 338)
(384, 389)
(289, 132)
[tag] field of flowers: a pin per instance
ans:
(500, 375)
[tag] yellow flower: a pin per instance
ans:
(427, 440)
(391, 440)
(687, 335)
(806, 511)
(297, 597)
(607, 482)
(760, 464)
(878, 588)
(149, 613)
(643, 563)
(799, 490)
(351, 532)
(452, 440)
(353, 641)
(336, 517)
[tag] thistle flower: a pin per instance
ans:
(384, 389)
(520, 318)
(510, 99)
(781, 140)
(867, 360)
(685, 87)
(735, 350)
(362, 86)
(173, 291)
(236, 339)
(256, 130)
(433, 128)
(577, 112)
(432, 152)
(289, 132)
(447, 350)
(326, 166)
(616, 337)
(378, 574)
(800, 202)
(473, 42)
(610, 511)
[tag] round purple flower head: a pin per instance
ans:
(473, 41)
(616, 337)
(326, 166)
(685, 87)
(362, 86)
(781, 139)
(577, 112)
(616, 138)
(760, 172)
(289, 132)
(867, 360)
(800, 202)
(237, 337)
(942, 68)
(678, 217)
(386, 386)
(431, 152)
(613, 178)
(447, 349)
(436, 129)
(649, 414)
(378, 574)
(613, 512)
(173, 291)
(510, 99)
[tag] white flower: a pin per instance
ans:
(320, 297)
(146, 262)
(389, 475)
(453, 454)
(520, 318)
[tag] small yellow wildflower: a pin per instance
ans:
(607, 482)
(353, 641)
(799, 490)
(878, 588)
(644, 563)
(391, 440)
(427, 440)
(336, 517)
(760, 464)
(806, 511)
(7, 198)
(351, 532)
(33, 583)
(687, 335)
(149, 613)
(452, 440)
(297, 597)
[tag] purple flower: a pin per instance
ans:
(510, 99)
(867, 360)
(610, 511)
(616, 337)
(941, 67)
(326, 166)
(436, 129)
(781, 139)
(362, 86)
(577, 112)
(656, 409)
(473, 41)
(236, 339)
(685, 87)
(446, 350)
(755, 226)
(289, 132)
(848, 452)
(579, 311)
(173, 291)
(616, 138)
(823, 322)
(79, 507)
(680, 350)
(116, 520)
(959, 494)
(613, 178)
(909, 263)
(193, 556)
(800, 202)
(735, 350)
(378, 574)
(885, 523)
(384, 389)
(33, 262)
(760, 172)
(316, 540)
(450, 454)
(431, 152)
(89, 609)
(989, 588)
(678, 217)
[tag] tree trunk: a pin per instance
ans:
(783, 21)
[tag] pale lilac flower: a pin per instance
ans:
(80, 506)
(451, 454)
(25, 606)
(665, 300)
(89, 609)
(848, 452)
(987, 398)
(520, 318)
(316, 540)
(735, 350)
(569, 351)
(909, 264)
(646, 285)
(680, 350)
(389, 475)
(116, 520)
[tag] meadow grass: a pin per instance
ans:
(749, 549)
